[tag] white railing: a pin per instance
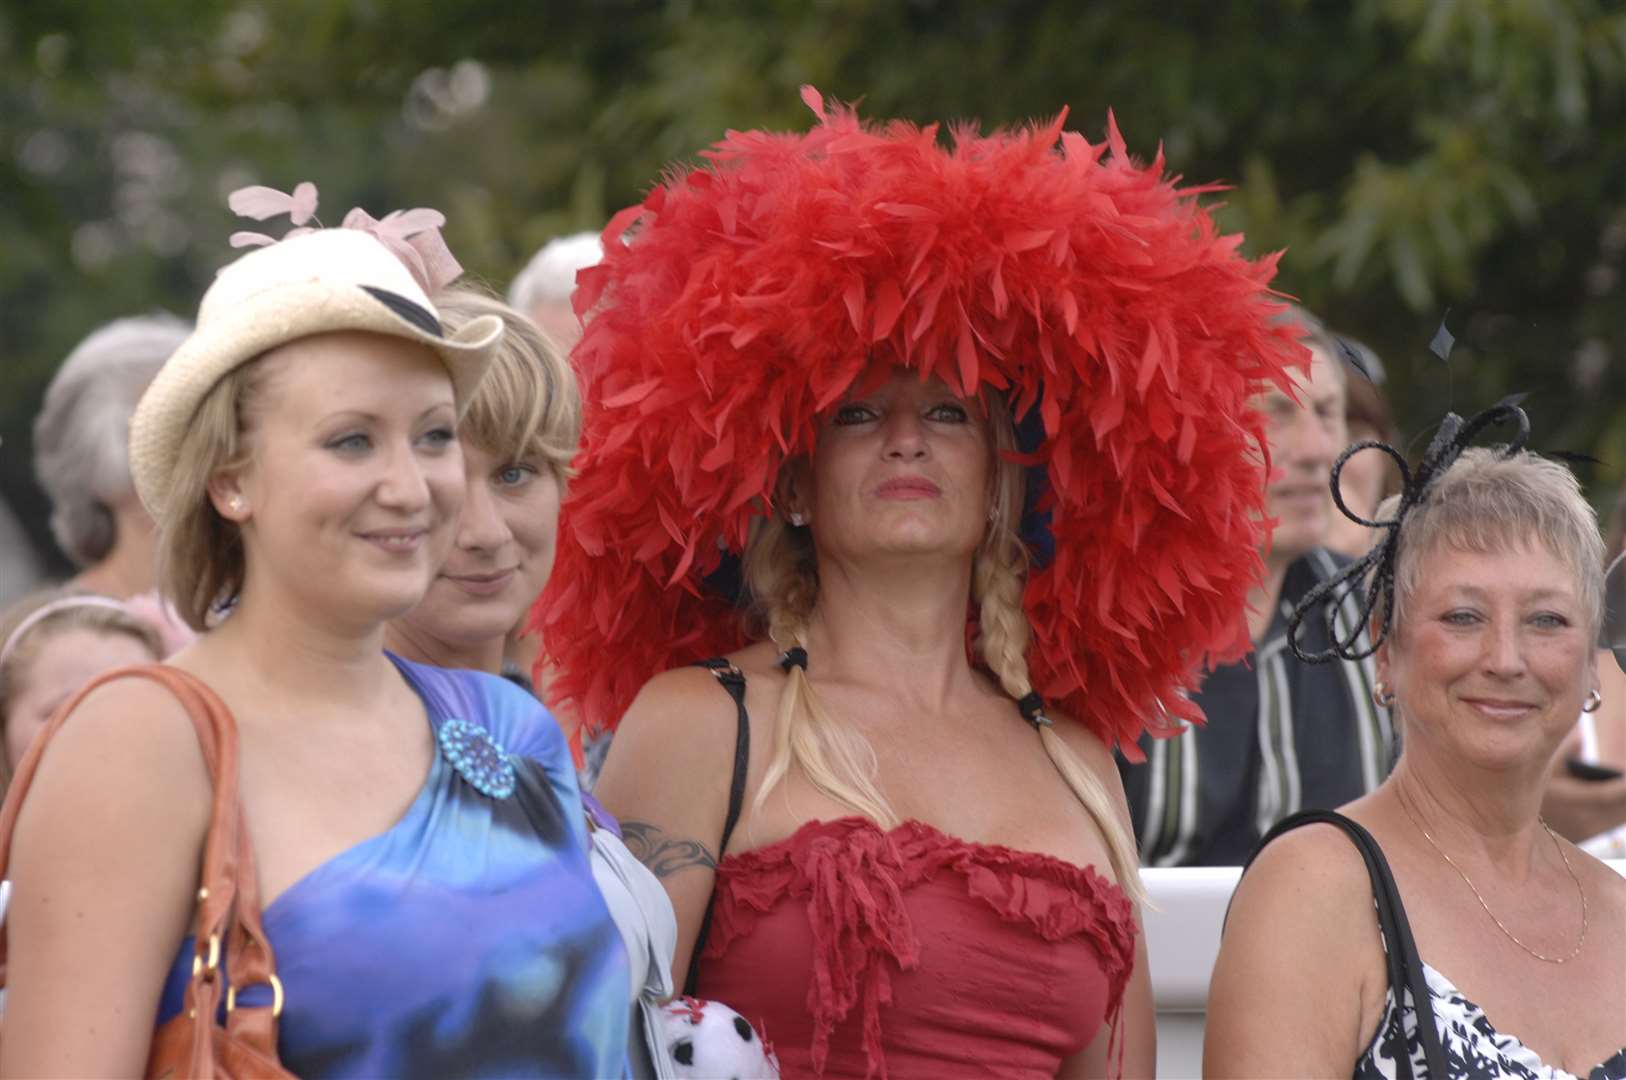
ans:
(1183, 925)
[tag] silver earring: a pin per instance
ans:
(1593, 701)
(1382, 696)
(797, 518)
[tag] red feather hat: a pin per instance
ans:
(743, 298)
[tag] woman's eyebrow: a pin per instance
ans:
(1474, 592)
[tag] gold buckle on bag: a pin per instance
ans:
(276, 996)
(201, 968)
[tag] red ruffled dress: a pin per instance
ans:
(909, 953)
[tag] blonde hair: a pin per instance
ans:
(20, 654)
(1489, 502)
(782, 575)
(200, 553)
(527, 407)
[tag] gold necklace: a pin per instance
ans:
(1509, 934)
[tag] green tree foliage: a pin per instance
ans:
(1412, 156)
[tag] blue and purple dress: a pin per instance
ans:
(469, 938)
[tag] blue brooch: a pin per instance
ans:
(477, 758)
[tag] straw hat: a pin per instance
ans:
(316, 282)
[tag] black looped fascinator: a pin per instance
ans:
(1453, 437)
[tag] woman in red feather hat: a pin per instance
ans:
(939, 461)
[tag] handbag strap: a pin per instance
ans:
(1405, 966)
(732, 680)
(227, 929)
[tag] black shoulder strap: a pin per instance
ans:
(733, 681)
(1399, 947)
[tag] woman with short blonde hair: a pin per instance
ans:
(1438, 926)
(519, 436)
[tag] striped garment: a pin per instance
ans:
(1282, 736)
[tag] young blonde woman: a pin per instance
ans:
(517, 437)
(965, 431)
(419, 839)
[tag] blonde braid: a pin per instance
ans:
(998, 577)
(837, 759)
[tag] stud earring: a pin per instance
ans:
(235, 504)
(1593, 701)
(797, 518)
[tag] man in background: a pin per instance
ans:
(1282, 735)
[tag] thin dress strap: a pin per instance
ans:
(1399, 947)
(733, 680)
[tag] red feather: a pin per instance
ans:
(741, 299)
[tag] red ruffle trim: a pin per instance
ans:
(852, 875)
(743, 298)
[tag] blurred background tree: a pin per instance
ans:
(1413, 156)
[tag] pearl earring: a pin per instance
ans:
(235, 504)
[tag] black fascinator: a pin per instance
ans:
(1376, 569)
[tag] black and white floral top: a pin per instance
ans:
(1473, 1049)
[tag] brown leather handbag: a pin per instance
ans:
(227, 924)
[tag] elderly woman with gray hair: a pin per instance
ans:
(1495, 948)
(81, 453)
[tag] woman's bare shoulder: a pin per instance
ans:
(1598, 875)
(1298, 981)
(133, 743)
(690, 702)
(104, 863)
(1315, 872)
(687, 702)
(130, 718)
(682, 723)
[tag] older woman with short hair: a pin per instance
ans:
(1516, 946)
(81, 452)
